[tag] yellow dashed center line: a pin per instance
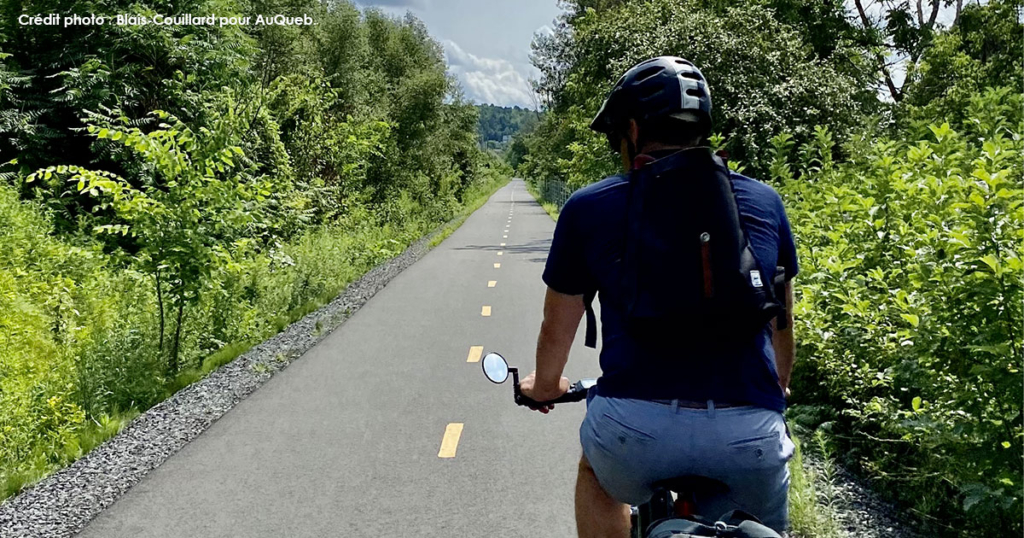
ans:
(492, 283)
(497, 266)
(504, 237)
(450, 441)
(503, 244)
(474, 353)
(500, 253)
(485, 311)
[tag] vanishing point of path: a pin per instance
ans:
(388, 426)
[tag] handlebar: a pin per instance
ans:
(577, 392)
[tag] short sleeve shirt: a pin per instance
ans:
(585, 257)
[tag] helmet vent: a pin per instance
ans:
(648, 73)
(691, 75)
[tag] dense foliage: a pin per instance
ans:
(764, 78)
(170, 195)
(907, 211)
(910, 307)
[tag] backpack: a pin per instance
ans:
(735, 524)
(688, 263)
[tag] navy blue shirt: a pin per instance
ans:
(589, 241)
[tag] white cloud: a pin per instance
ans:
(490, 80)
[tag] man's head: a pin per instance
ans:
(660, 103)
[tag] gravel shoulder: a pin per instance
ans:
(856, 510)
(63, 503)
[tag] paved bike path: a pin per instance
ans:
(346, 440)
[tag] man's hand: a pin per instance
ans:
(541, 393)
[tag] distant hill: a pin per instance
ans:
(498, 122)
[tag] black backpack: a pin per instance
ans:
(688, 264)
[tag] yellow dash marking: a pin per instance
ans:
(504, 237)
(492, 283)
(474, 353)
(485, 311)
(503, 244)
(450, 441)
(500, 253)
(497, 266)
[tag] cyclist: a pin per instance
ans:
(683, 408)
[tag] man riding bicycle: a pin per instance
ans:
(695, 361)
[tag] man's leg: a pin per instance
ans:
(597, 514)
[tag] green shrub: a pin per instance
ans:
(910, 306)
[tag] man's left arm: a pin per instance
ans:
(784, 343)
(562, 314)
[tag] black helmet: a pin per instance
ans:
(666, 86)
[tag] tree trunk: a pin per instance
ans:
(177, 337)
(880, 58)
(935, 13)
(160, 305)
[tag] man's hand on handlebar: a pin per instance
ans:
(529, 388)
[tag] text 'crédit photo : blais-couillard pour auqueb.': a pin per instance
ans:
(54, 19)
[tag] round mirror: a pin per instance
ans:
(495, 368)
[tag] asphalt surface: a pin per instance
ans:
(347, 440)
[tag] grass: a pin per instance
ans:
(475, 200)
(551, 208)
(811, 513)
(94, 432)
(89, 437)
(230, 352)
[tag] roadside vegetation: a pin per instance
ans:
(172, 195)
(907, 206)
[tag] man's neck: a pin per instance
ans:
(657, 147)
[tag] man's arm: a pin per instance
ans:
(562, 314)
(783, 343)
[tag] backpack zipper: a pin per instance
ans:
(705, 257)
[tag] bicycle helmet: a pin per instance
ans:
(666, 86)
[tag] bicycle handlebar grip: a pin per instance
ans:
(576, 393)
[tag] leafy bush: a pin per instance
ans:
(910, 307)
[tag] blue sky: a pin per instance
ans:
(487, 42)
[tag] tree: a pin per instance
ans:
(981, 50)
(761, 78)
(197, 202)
(899, 33)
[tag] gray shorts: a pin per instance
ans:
(631, 444)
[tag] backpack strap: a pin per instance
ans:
(591, 339)
(779, 285)
(776, 289)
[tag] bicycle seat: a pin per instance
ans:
(692, 484)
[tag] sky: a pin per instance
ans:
(486, 42)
